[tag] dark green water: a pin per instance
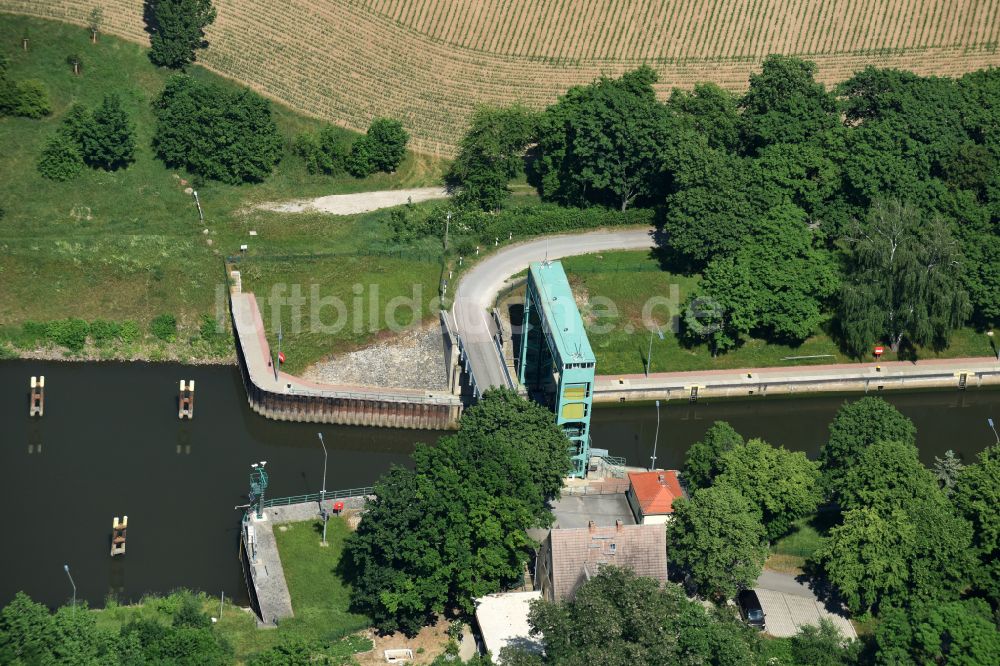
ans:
(110, 444)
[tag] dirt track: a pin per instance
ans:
(352, 204)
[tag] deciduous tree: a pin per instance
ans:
(958, 633)
(717, 538)
(177, 30)
(977, 496)
(703, 460)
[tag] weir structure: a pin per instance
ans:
(557, 364)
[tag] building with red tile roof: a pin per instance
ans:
(651, 495)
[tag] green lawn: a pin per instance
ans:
(129, 244)
(631, 280)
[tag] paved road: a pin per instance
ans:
(788, 605)
(479, 287)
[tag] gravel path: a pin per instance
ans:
(351, 204)
(414, 359)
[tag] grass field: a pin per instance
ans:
(128, 245)
(429, 62)
(621, 339)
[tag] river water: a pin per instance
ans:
(110, 444)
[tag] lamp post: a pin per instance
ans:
(656, 438)
(277, 358)
(993, 428)
(66, 569)
(322, 492)
(649, 352)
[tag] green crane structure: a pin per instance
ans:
(557, 363)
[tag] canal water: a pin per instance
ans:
(110, 444)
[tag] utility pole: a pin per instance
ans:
(656, 438)
(649, 352)
(447, 224)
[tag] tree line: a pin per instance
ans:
(877, 202)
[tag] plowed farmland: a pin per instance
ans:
(429, 62)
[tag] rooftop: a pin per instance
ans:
(656, 491)
(575, 511)
(503, 620)
(566, 324)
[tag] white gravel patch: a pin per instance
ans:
(412, 359)
(352, 204)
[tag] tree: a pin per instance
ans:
(703, 460)
(903, 279)
(948, 470)
(386, 141)
(26, 631)
(887, 474)
(217, 133)
(977, 497)
(958, 633)
(711, 111)
(857, 426)
(453, 528)
(782, 484)
(94, 20)
(60, 159)
(895, 556)
(785, 104)
(108, 140)
(325, 153)
(490, 154)
(359, 162)
(717, 539)
(176, 29)
(776, 283)
(602, 143)
(75, 61)
(618, 619)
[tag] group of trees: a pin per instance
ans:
(27, 98)
(453, 528)
(877, 201)
(916, 548)
(216, 132)
(103, 138)
(744, 494)
(30, 634)
(330, 152)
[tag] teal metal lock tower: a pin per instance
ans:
(557, 363)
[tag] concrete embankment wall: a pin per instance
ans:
(784, 381)
(367, 406)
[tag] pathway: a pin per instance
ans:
(352, 204)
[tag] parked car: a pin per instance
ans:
(750, 609)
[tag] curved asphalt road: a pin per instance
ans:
(479, 287)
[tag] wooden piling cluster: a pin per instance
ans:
(185, 400)
(118, 528)
(37, 407)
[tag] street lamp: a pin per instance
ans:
(656, 438)
(649, 352)
(322, 493)
(66, 569)
(993, 428)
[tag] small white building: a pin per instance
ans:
(503, 620)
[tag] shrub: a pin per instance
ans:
(32, 99)
(359, 162)
(60, 159)
(68, 333)
(103, 331)
(164, 327)
(209, 328)
(386, 144)
(129, 332)
(326, 153)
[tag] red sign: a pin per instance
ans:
(879, 350)
(338, 506)
(281, 357)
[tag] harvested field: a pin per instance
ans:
(428, 62)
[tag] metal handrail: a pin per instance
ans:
(315, 497)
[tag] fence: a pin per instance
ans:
(315, 497)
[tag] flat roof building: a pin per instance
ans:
(503, 620)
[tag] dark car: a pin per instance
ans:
(750, 608)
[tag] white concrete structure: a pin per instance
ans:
(503, 620)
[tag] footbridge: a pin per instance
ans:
(477, 336)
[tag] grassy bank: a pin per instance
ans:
(129, 245)
(631, 280)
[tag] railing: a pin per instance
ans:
(603, 488)
(315, 497)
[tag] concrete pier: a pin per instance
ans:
(285, 397)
